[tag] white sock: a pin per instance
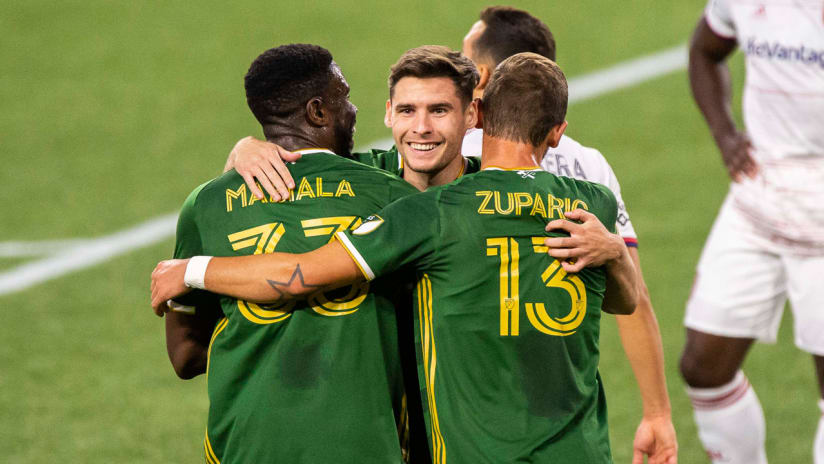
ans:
(818, 444)
(730, 422)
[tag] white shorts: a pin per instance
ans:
(743, 283)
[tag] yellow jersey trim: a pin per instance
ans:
(463, 168)
(221, 324)
(211, 457)
(430, 358)
(355, 255)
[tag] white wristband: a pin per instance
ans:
(196, 272)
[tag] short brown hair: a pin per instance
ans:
(525, 98)
(436, 61)
(510, 31)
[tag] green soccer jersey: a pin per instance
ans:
(309, 381)
(390, 160)
(508, 340)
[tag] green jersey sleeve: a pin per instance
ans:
(404, 232)
(188, 243)
(386, 160)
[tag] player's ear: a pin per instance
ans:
(387, 118)
(316, 113)
(554, 136)
(479, 108)
(485, 73)
(471, 115)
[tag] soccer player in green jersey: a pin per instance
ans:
(312, 381)
(509, 341)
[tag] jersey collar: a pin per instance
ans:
(498, 168)
(310, 151)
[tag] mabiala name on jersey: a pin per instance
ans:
(306, 189)
(520, 203)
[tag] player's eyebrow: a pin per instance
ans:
(404, 106)
(440, 106)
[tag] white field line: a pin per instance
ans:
(66, 256)
(88, 254)
(20, 249)
(627, 74)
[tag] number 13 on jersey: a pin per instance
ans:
(553, 277)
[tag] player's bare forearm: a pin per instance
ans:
(710, 78)
(187, 340)
(641, 339)
(621, 295)
(281, 276)
(711, 88)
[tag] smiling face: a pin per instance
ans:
(428, 122)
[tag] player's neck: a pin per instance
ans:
(292, 139)
(424, 180)
(509, 154)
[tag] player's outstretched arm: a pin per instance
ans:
(710, 83)
(258, 278)
(621, 294)
(590, 244)
(187, 339)
(259, 161)
(655, 436)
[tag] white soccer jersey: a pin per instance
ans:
(783, 104)
(571, 159)
(783, 41)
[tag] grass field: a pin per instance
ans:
(113, 112)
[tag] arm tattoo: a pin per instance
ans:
(297, 274)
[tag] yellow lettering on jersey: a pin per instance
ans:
(344, 188)
(556, 205)
(240, 193)
(319, 188)
(253, 198)
(341, 306)
(326, 226)
(510, 204)
(305, 190)
(484, 208)
(538, 245)
(522, 200)
(555, 276)
(507, 249)
(538, 208)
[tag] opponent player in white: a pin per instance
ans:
(500, 33)
(767, 243)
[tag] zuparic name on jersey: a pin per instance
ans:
(492, 202)
(305, 189)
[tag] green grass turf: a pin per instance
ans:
(113, 112)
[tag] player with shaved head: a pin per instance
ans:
(312, 381)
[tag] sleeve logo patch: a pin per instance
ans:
(370, 225)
